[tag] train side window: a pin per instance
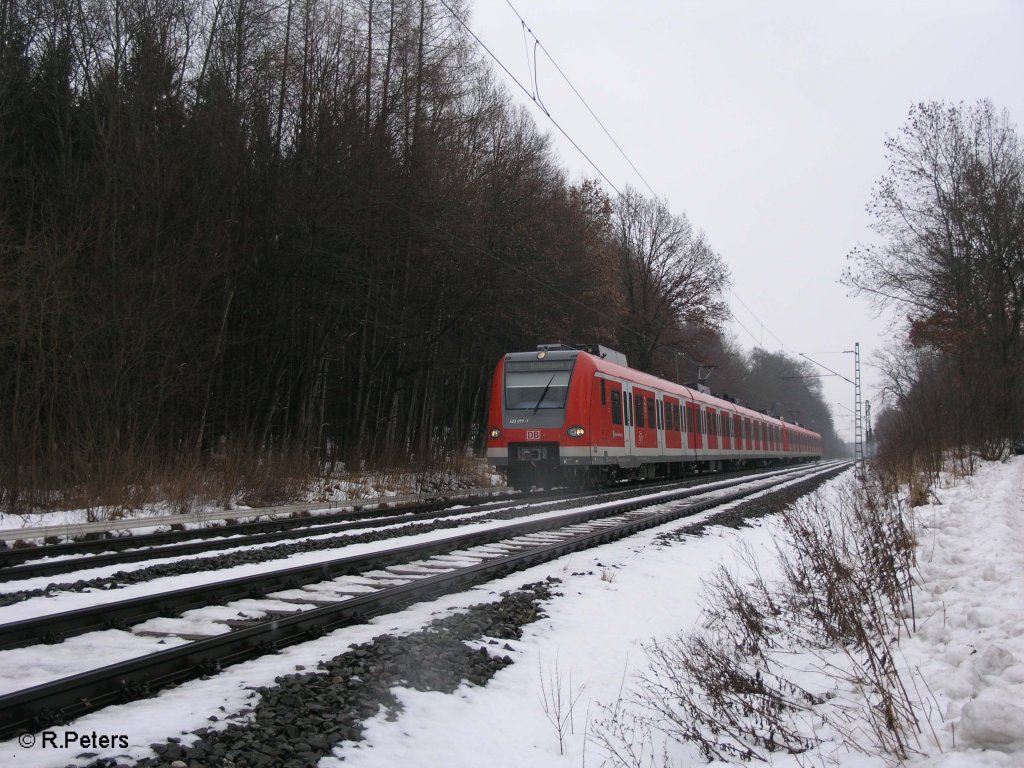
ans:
(669, 425)
(680, 410)
(650, 412)
(616, 406)
(690, 425)
(629, 408)
(640, 410)
(603, 401)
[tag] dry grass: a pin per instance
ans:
(238, 474)
(753, 679)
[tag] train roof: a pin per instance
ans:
(607, 361)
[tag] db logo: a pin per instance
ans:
(533, 434)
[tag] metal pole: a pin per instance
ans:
(858, 425)
(867, 429)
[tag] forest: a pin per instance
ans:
(948, 267)
(251, 234)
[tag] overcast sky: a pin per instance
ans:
(764, 123)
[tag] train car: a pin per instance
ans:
(580, 416)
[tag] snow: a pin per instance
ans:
(966, 655)
(19, 667)
(360, 489)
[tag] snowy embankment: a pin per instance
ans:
(969, 643)
(966, 656)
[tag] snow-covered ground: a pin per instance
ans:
(325, 495)
(968, 652)
(22, 667)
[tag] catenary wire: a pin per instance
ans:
(535, 97)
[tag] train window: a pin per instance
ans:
(691, 425)
(532, 385)
(669, 425)
(680, 425)
(650, 412)
(640, 410)
(629, 408)
(616, 407)
(603, 401)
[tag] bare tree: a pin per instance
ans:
(670, 275)
(951, 215)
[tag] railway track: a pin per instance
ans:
(52, 560)
(141, 549)
(300, 516)
(329, 595)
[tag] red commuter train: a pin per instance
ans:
(579, 416)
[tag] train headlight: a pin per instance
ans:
(495, 433)
(576, 431)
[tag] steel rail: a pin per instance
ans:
(54, 628)
(33, 562)
(59, 701)
(47, 567)
(11, 557)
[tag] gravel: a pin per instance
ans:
(306, 715)
(743, 513)
(242, 557)
(249, 556)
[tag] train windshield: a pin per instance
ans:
(536, 384)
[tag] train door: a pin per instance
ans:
(712, 429)
(628, 443)
(614, 432)
(695, 426)
(606, 419)
(645, 428)
(686, 427)
(673, 434)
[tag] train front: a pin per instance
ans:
(536, 427)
